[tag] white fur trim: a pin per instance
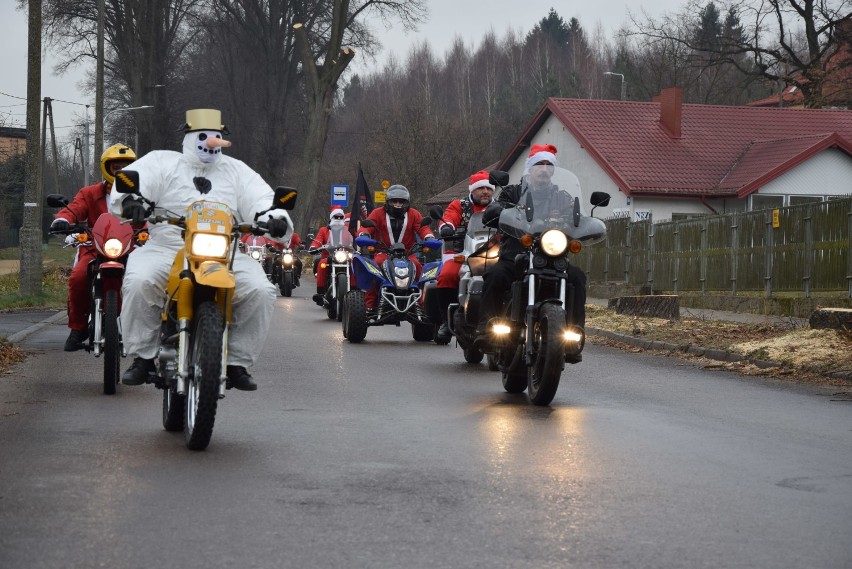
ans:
(480, 184)
(538, 157)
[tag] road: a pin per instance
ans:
(398, 454)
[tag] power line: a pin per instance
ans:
(51, 98)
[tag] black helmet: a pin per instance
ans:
(397, 200)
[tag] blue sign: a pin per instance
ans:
(339, 194)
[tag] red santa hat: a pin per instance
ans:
(480, 180)
(335, 210)
(539, 153)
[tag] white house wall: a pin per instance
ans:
(829, 173)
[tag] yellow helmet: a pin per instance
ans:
(115, 152)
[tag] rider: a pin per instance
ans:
(88, 205)
(498, 278)
(395, 223)
(174, 180)
(335, 233)
(458, 213)
(261, 241)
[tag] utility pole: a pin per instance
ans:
(86, 164)
(30, 234)
(99, 82)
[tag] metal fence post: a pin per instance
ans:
(628, 255)
(703, 259)
(676, 275)
(650, 263)
(809, 250)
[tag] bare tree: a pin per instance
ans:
(324, 59)
(786, 41)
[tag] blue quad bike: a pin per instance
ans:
(401, 297)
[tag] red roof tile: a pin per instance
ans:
(628, 141)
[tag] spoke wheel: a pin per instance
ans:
(549, 355)
(112, 342)
(202, 388)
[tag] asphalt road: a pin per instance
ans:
(398, 454)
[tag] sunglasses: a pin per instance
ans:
(337, 217)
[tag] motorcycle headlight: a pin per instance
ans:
(340, 256)
(209, 245)
(113, 248)
(255, 254)
(402, 282)
(554, 242)
(287, 258)
(401, 271)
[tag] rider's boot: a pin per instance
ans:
(138, 372)
(445, 298)
(239, 378)
(318, 296)
(75, 340)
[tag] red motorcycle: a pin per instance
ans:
(113, 240)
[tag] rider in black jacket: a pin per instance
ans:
(499, 277)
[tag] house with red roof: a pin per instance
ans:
(669, 160)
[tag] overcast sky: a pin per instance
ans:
(470, 19)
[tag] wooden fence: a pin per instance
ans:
(797, 249)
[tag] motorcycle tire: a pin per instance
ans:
(423, 332)
(342, 288)
(202, 387)
(492, 363)
(472, 355)
(112, 342)
(549, 355)
(287, 284)
(514, 380)
(276, 273)
(173, 408)
(355, 320)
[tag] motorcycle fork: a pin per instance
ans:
(223, 299)
(184, 316)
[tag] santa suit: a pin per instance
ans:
(88, 205)
(454, 217)
(166, 177)
(332, 236)
(407, 236)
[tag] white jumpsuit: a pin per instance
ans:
(166, 178)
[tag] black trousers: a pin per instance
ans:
(497, 282)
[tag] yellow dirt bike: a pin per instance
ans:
(193, 349)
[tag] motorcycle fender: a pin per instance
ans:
(214, 274)
(366, 272)
(430, 271)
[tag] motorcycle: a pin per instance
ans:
(284, 271)
(113, 241)
(193, 345)
(400, 298)
(337, 263)
(536, 334)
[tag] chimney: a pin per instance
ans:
(670, 110)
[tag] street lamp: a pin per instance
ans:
(111, 111)
(622, 81)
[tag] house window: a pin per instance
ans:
(796, 200)
(766, 202)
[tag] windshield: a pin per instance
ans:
(475, 225)
(551, 198)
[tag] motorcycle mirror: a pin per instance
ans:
(367, 223)
(127, 182)
(436, 211)
(576, 212)
(599, 199)
(426, 221)
(529, 207)
(498, 178)
(285, 198)
(311, 236)
(56, 200)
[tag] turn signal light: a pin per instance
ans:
(142, 236)
(575, 246)
(82, 237)
(527, 241)
(459, 258)
(323, 265)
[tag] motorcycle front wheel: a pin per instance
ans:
(112, 342)
(342, 288)
(286, 283)
(514, 379)
(549, 355)
(202, 388)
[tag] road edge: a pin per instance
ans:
(26, 332)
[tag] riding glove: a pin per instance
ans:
(277, 227)
(60, 226)
(133, 209)
(447, 231)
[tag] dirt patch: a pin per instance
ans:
(802, 353)
(10, 355)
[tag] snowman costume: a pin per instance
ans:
(173, 181)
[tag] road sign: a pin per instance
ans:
(379, 197)
(339, 194)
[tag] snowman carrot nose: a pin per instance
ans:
(214, 142)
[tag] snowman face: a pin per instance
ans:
(208, 145)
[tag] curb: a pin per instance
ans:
(23, 334)
(710, 353)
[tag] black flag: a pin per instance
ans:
(362, 203)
